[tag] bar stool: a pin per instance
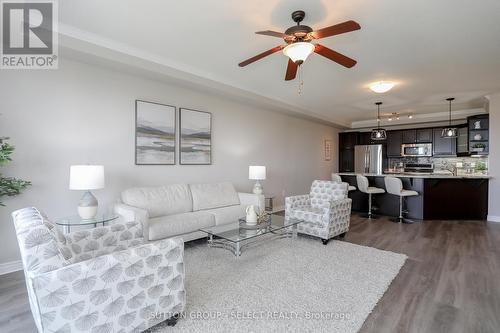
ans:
(336, 178)
(365, 187)
(394, 186)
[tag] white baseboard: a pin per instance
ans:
(492, 218)
(9, 267)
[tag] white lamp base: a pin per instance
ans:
(87, 213)
(87, 207)
(257, 188)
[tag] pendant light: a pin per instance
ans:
(378, 133)
(449, 132)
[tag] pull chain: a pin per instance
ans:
(301, 81)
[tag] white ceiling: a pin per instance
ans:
(432, 49)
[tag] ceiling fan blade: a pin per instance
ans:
(271, 33)
(291, 70)
(337, 29)
(335, 56)
(261, 55)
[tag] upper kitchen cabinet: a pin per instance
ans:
(394, 141)
(443, 146)
(348, 140)
(424, 135)
(417, 136)
(479, 130)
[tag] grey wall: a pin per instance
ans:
(494, 159)
(85, 114)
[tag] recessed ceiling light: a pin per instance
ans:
(410, 116)
(381, 87)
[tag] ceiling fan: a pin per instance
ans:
(299, 46)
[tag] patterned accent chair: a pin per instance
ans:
(326, 210)
(105, 279)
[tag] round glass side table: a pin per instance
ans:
(76, 220)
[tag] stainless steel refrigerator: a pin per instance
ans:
(368, 159)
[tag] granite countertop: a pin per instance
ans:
(420, 175)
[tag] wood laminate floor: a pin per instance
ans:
(450, 282)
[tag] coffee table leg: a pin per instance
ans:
(68, 228)
(294, 231)
(237, 251)
(210, 240)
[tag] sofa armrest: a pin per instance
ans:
(341, 207)
(102, 293)
(134, 214)
(247, 199)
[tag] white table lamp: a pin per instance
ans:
(86, 178)
(257, 172)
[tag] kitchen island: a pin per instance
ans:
(441, 196)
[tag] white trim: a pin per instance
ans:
(492, 218)
(11, 266)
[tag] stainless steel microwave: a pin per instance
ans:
(416, 149)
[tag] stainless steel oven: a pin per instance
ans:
(416, 149)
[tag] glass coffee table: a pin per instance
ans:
(75, 220)
(238, 235)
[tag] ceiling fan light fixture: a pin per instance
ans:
(298, 52)
(381, 87)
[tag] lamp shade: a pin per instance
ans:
(257, 172)
(86, 177)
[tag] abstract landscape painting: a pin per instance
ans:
(196, 137)
(154, 133)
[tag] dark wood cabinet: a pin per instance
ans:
(424, 135)
(346, 160)
(348, 140)
(443, 146)
(409, 136)
(417, 136)
(365, 138)
(394, 141)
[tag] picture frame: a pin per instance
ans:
(195, 146)
(328, 150)
(155, 133)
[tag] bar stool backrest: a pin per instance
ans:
(393, 185)
(336, 178)
(362, 183)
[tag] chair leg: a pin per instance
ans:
(342, 235)
(325, 241)
(405, 220)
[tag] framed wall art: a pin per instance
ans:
(155, 140)
(195, 137)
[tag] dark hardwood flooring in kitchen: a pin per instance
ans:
(450, 282)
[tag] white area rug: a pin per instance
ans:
(284, 286)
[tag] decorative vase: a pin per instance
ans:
(251, 218)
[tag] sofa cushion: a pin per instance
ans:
(225, 215)
(178, 224)
(160, 201)
(208, 196)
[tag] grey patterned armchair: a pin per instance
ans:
(99, 280)
(326, 210)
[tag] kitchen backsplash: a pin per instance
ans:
(464, 165)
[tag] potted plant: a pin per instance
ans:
(478, 147)
(9, 186)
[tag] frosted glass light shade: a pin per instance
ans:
(299, 51)
(86, 177)
(381, 87)
(257, 172)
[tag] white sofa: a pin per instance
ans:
(181, 209)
